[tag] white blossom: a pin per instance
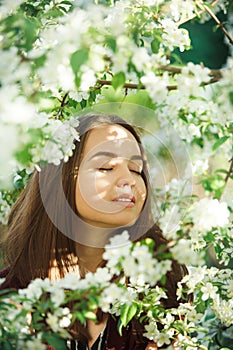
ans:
(151, 330)
(224, 310)
(101, 276)
(9, 6)
(162, 338)
(70, 281)
(140, 58)
(36, 288)
(4, 210)
(88, 79)
(115, 20)
(35, 344)
(156, 86)
(182, 9)
(183, 252)
(209, 291)
(79, 96)
(208, 213)
(53, 322)
(174, 36)
(57, 296)
(170, 222)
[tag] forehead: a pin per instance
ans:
(112, 138)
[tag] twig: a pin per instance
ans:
(230, 171)
(198, 13)
(63, 104)
(220, 24)
(215, 75)
(132, 86)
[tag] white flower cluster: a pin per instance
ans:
(183, 252)
(173, 36)
(189, 316)
(182, 10)
(160, 338)
(8, 6)
(156, 86)
(209, 213)
(224, 99)
(138, 264)
(193, 75)
(58, 140)
(4, 210)
(169, 221)
(177, 198)
(112, 296)
(214, 285)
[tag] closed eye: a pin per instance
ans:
(138, 172)
(105, 169)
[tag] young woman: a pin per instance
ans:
(67, 213)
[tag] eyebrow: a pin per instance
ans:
(114, 155)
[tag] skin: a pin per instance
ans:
(104, 178)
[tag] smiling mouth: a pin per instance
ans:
(125, 200)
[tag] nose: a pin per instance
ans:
(126, 179)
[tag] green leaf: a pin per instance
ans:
(90, 315)
(7, 346)
(219, 142)
(231, 96)
(77, 59)
(24, 156)
(163, 280)
(217, 183)
(55, 341)
(127, 313)
(111, 42)
(118, 80)
(79, 316)
(83, 104)
(155, 45)
(30, 32)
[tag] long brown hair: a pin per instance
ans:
(34, 242)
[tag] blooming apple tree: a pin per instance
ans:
(60, 57)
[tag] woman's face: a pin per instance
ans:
(110, 190)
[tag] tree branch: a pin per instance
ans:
(230, 171)
(220, 24)
(63, 104)
(131, 85)
(198, 13)
(215, 75)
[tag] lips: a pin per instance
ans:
(125, 200)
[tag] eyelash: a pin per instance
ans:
(109, 169)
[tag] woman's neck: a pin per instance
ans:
(90, 236)
(89, 258)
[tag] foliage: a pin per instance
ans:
(45, 316)
(61, 58)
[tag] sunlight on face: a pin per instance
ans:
(110, 190)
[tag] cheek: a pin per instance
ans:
(93, 192)
(103, 185)
(86, 184)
